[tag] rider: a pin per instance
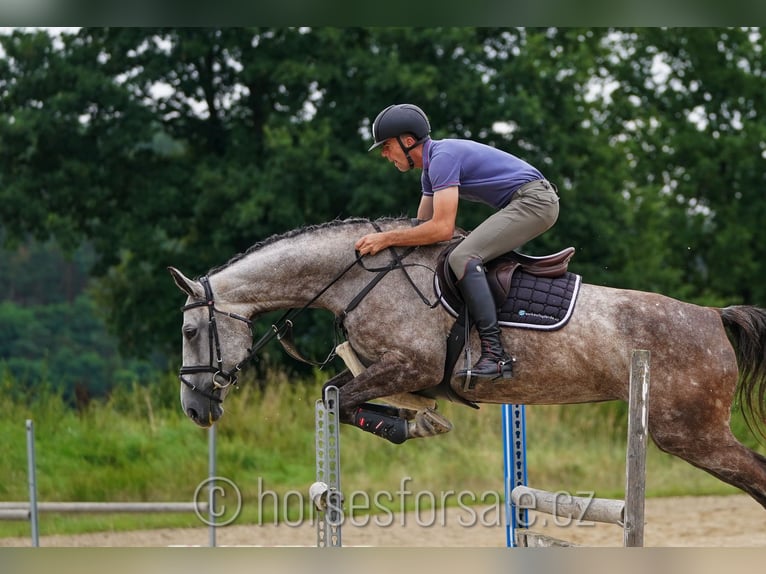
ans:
(527, 206)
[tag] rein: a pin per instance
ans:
(281, 329)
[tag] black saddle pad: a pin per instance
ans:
(539, 302)
(533, 302)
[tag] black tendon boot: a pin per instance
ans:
(379, 420)
(494, 361)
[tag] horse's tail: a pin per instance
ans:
(747, 327)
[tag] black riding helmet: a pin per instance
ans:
(397, 120)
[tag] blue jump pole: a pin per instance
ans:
(515, 467)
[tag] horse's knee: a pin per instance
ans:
(338, 380)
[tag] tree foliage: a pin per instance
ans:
(51, 334)
(165, 146)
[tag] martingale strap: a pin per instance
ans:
(396, 263)
(285, 338)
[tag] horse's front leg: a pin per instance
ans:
(338, 380)
(391, 375)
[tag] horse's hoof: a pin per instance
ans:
(428, 423)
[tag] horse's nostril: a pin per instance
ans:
(192, 414)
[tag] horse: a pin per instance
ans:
(703, 358)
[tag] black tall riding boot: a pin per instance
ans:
(494, 361)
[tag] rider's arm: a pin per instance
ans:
(426, 208)
(439, 227)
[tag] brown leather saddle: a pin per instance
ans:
(500, 273)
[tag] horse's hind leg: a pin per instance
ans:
(719, 453)
(751, 474)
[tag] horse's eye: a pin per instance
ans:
(189, 332)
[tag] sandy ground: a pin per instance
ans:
(714, 521)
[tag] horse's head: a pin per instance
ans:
(216, 344)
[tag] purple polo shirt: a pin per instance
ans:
(481, 172)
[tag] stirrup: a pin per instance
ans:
(504, 371)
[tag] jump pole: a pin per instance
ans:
(628, 513)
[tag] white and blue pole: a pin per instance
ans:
(515, 467)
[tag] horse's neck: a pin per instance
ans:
(287, 273)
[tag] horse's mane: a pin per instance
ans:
(298, 232)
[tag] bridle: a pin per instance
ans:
(216, 360)
(281, 329)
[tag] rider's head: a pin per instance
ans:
(398, 121)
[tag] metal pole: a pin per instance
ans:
(327, 443)
(211, 490)
(100, 507)
(515, 467)
(32, 479)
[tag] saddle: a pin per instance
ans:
(500, 273)
(529, 292)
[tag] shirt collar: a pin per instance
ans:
(427, 153)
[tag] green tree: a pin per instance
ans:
(690, 107)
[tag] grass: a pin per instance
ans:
(138, 446)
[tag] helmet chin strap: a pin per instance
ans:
(407, 150)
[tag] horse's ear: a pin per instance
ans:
(191, 288)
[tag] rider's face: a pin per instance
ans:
(392, 151)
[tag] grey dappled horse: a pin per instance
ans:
(400, 335)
